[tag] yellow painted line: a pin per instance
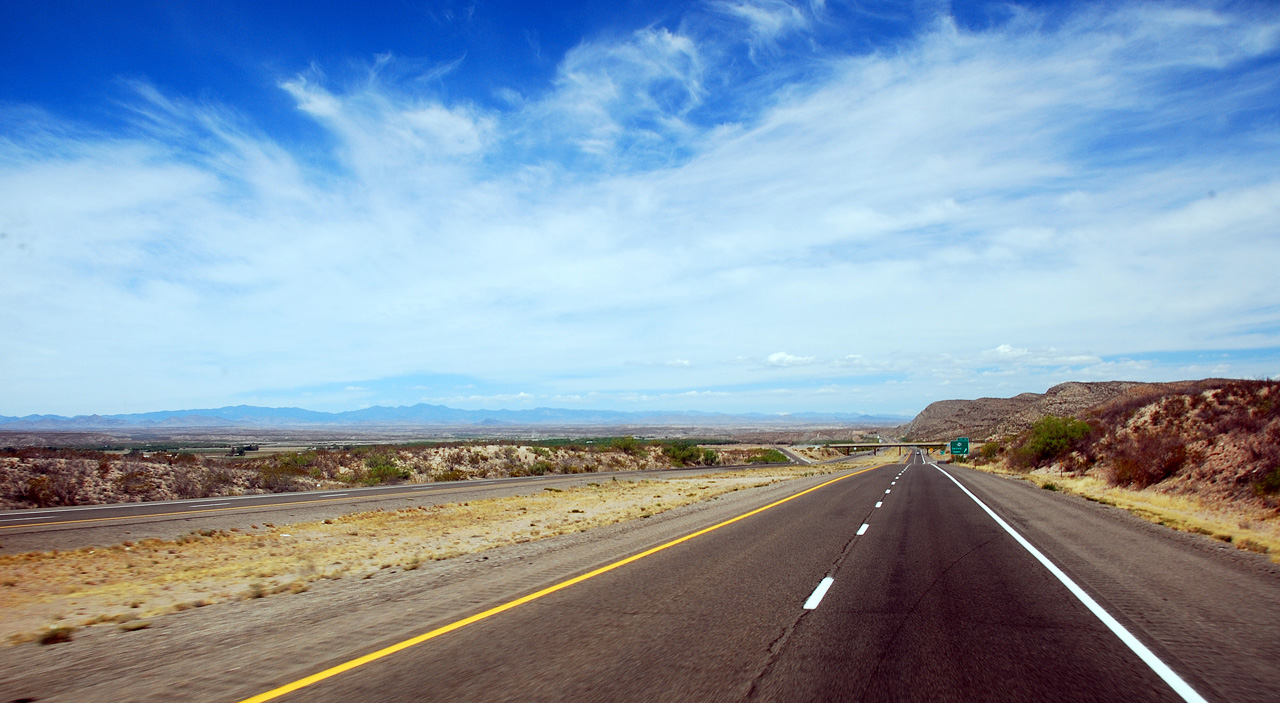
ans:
(286, 504)
(459, 624)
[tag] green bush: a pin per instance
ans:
(1050, 438)
(766, 456)
(985, 454)
(453, 474)
(626, 445)
(1269, 484)
(682, 452)
(280, 473)
(382, 469)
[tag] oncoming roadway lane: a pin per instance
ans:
(100, 525)
(890, 584)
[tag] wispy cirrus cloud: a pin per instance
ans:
(1067, 185)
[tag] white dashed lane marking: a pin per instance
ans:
(816, 597)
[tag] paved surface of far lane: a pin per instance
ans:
(891, 585)
(101, 525)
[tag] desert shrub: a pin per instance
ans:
(280, 473)
(1243, 406)
(298, 464)
(626, 445)
(682, 452)
(49, 483)
(542, 467)
(1269, 484)
(986, 453)
(1143, 459)
(188, 482)
(135, 482)
(275, 479)
(382, 468)
(55, 635)
(766, 456)
(216, 479)
(452, 474)
(1050, 438)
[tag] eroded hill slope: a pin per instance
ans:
(995, 418)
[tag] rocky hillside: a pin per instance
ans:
(1217, 441)
(995, 418)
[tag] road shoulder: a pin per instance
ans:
(1193, 600)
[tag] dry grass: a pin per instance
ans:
(127, 582)
(1256, 530)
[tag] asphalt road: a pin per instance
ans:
(42, 529)
(929, 598)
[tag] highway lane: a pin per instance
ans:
(929, 598)
(74, 527)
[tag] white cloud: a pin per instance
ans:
(767, 20)
(1046, 185)
(1008, 355)
(785, 359)
(671, 363)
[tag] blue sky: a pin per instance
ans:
(724, 206)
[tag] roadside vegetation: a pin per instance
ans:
(47, 596)
(36, 477)
(1204, 459)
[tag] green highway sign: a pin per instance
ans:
(960, 446)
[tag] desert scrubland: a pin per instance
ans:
(41, 477)
(1196, 456)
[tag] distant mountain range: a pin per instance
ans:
(422, 414)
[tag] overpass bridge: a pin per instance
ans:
(875, 447)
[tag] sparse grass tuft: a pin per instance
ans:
(56, 634)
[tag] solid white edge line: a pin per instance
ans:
(816, 597)
(863, 530)
(1182, 688)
